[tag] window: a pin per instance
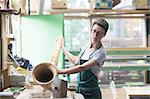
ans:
(76, 33)
(78, 4)
(125, 33)
(122, 33)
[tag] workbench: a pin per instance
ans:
(139, 92)
(37, 89)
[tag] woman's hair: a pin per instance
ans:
(103, 23)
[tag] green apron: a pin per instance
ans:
(88, 84)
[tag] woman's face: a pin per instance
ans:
(97, 33)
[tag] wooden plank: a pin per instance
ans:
(147, 77)
(5, 79)
(4, 44)
(0, 41)
(125, 66)
(118, 11)
(141, 48)
(118, 16)
(128, 51)
(6, 11)
(124, 51)
(62, 11)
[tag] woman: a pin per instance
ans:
(88, 62)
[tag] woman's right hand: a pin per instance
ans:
(63, 44)
(59, 71)
(60, 39)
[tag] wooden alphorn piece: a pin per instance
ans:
(45, 73)
(55, 55)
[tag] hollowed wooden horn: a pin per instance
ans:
(45, 73)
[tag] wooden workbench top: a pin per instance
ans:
(37, 89)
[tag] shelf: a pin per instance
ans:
(125, 66)
(10, 11)
(4, 40)
(63, 11)
(120, 13)
(145, 51)
(127, 58)
(94, 13)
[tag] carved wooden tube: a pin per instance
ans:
(45, 73)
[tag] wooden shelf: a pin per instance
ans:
(63, 11)
(8, 11)
(94, 13)
(4, 40)
(129, 51)
(107, 13)
(120, 13)
(125, 66)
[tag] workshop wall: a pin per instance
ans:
(39, 33)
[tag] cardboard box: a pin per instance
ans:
(100, 4)
(17, 78)
(6, 95)
(140, 4)
(59, 4)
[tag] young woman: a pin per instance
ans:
(88, 63)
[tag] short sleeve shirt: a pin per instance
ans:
(99, 55)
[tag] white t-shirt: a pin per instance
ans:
(99, 55)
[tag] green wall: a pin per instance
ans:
(39, 33)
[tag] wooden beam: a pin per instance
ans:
(128, 51)
(5, 79)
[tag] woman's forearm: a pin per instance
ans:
(70, 57)
(78, 68)
(71, 70)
